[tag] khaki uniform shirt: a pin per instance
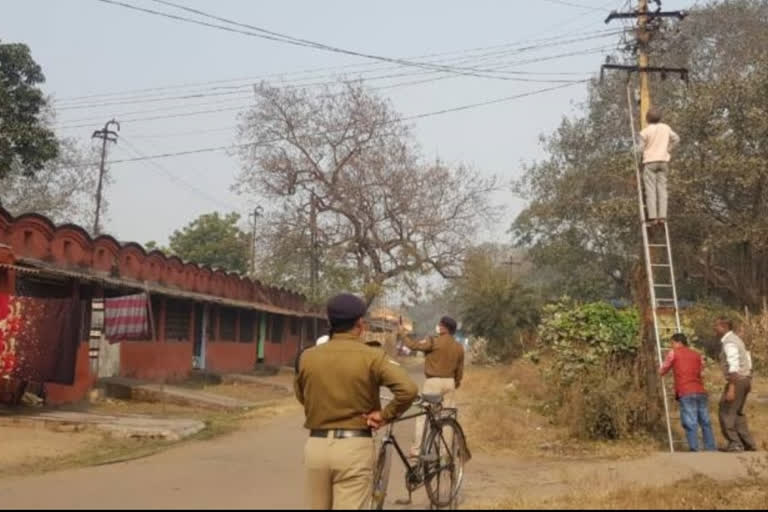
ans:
(339, 381)
(444, 357)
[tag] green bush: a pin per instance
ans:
(584, 336)
(592, 378)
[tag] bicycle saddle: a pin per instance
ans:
(432, 398)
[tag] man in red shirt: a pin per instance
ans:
(686, 365)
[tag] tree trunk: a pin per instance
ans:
(647, 363)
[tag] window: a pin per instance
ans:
(247, 326)
(295, 325)
(177, 320)
(227, 324)
(278, 323)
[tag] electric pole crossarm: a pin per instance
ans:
(683, 72)
(635, 14)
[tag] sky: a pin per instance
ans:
(88, 47)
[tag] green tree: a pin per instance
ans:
(494, 303)
(582, 221)
(213, 240)
(26, 143)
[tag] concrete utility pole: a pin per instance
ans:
(106, 135)
(645, 295)
(643, 38)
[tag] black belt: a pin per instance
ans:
(340, 433)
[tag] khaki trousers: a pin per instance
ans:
(733, 421)
(655, 179)
(339, 472)
(433, 386)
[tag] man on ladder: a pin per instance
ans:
(656, 141)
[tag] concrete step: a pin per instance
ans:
(277, 382)
(130, 389)
(128, 426)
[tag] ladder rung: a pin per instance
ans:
(657, 245)
(660, 265)
(663, 286)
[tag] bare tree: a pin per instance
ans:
(63, 189)
(345, 153)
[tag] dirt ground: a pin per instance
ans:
(28, 450)
(21, 445)
(259, 465)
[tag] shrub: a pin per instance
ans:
(582, 337)
(592, 379)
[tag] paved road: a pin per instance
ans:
(254, 468)
(259, 467)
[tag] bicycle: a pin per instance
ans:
(443, 450)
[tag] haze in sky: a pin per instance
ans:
(88, 47)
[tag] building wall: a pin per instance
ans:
(282, 352)
(155, 360)
(57, 394)
(230, 357)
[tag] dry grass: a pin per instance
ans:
(692, 494)
(254, 393)
(97, 451)
(501, 411)
(498, 409)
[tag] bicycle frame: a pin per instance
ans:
(415, 474)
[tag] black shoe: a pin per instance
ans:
(750, 448)
(732, 448)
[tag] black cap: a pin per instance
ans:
(345, 307)
(449, 323)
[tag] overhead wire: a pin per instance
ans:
(87, 121)
(233, 89)
(403, 119)
(266, 34)
(573, 4)
(141, 157)
(334, 70)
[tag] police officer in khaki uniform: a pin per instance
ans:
(338, 385)
(443, 368)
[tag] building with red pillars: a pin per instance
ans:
(203, 318)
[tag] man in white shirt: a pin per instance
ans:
(736, 362)
(656, 141)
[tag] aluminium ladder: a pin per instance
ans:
(660, 270)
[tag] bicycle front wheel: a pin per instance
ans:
(381, 476)
(444, 463)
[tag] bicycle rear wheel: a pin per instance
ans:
(381, 476)
(444, 463)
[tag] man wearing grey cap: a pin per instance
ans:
(338, 383)
(443, 368)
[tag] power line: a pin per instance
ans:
(374, 67)
(87, 121)
(404, 119)
(141, 157)
(573, 4)
(520, 75)
(276, 36)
